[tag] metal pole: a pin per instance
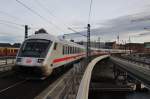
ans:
(26, 31)
(88, 43)
(125, 47)
(129, 44)
(6, 56)
(99, 40)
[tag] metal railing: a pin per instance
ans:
(6, 63)
(136, 71)
(143, 62)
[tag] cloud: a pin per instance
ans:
(10, 39)
(124, 26)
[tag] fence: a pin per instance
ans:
(6, 63)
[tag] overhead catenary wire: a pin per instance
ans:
(53, 15)
(5, 21)
(43, 7)
(37, 14)
(14, 24)
(9, 15)
(90, 11)
(10, 25)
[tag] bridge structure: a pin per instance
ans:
(138, 71)
(121, 67)
(78, 81)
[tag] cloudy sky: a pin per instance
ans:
(109, 18)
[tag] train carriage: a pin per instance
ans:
(42, 53)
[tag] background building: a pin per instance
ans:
(16, 45)
(135, 47)
(105, 45)
(147, 47)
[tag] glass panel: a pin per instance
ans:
(35, 48)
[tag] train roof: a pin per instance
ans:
(47, 36)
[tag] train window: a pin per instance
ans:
(71, 50)
(55, 46)
(35, 48)
(64, 47)
(66, 50)
(63, 50)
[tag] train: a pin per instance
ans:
(41, 54)
(8, 51)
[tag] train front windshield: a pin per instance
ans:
(35, 48)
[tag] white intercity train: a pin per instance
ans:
(42, 53)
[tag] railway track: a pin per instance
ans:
(12, 87)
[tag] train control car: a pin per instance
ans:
(42, 53)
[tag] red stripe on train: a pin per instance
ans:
(65, 58)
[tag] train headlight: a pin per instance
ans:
(40, 60)
(18, 59)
